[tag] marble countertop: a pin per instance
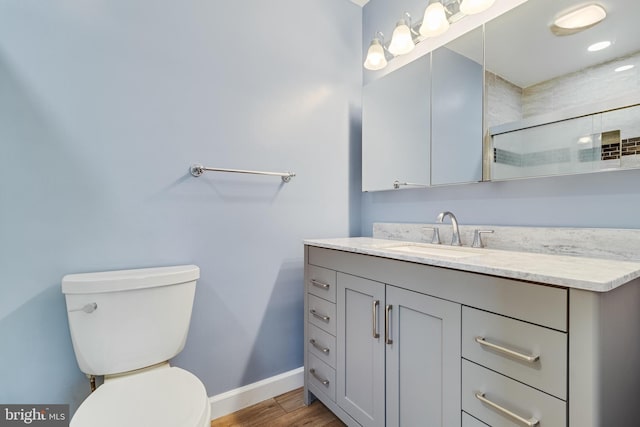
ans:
(593, 274)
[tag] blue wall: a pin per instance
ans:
(103, 107)
(607, 199)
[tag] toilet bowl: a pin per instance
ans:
(125, 325)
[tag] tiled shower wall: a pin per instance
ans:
(509, 103)
(504, 99)
(581, 87)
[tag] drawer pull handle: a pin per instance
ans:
(320, 316)
(517, 355)
(531, 422)
(313, 342)
(320, 284)
(387, 320)
(374, 315)
(323, 381)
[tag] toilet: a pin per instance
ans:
(126, 325)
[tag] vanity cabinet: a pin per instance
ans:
(417, 344)
(394, 343)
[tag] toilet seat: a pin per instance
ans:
(166, 397)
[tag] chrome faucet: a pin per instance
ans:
(455, 239)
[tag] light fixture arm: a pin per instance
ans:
(451, 6)
(414, 33)
(380, 36)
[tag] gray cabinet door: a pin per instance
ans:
(360, 353)
(423, 360)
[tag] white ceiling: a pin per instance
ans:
(360, 2)
(521, 48)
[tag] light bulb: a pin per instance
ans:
(375, 56)
(435, 20)
(470, 7)
(401, 40)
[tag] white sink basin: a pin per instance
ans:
(434, 250)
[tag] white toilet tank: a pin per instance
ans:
(129, 319)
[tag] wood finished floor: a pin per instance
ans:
(286, 410)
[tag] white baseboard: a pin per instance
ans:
(234, 400)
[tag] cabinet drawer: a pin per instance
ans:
(521, 400)
(321, 377)
(321, 282)
(501, 335)
(469, 421)
(322, 314)
(322, 345)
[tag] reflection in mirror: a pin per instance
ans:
(396, 128)
(456, 110)
(554, 107)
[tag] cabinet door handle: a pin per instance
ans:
(531, 422)
(318, 284)
(525, 357)
(374, 318)
(323, 381)
(387, 320)
(320, 316)
(313, 342)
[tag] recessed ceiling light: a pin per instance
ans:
(599, 46)
(624, 68)
(577, 20)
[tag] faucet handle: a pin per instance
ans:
(477, 238)
(436, 235)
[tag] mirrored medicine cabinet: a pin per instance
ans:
(421, 123)
(535, 104)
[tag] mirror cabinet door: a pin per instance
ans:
(456, 110)
(396, 127)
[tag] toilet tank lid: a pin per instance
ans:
(122, 280)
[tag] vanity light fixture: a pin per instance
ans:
(435, 20)
(577, 20)
(599, 46)
(471, 7)
(376, 55)
(624, 68)
(438, 16)
(402, 39)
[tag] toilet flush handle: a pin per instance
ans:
(87, 308)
